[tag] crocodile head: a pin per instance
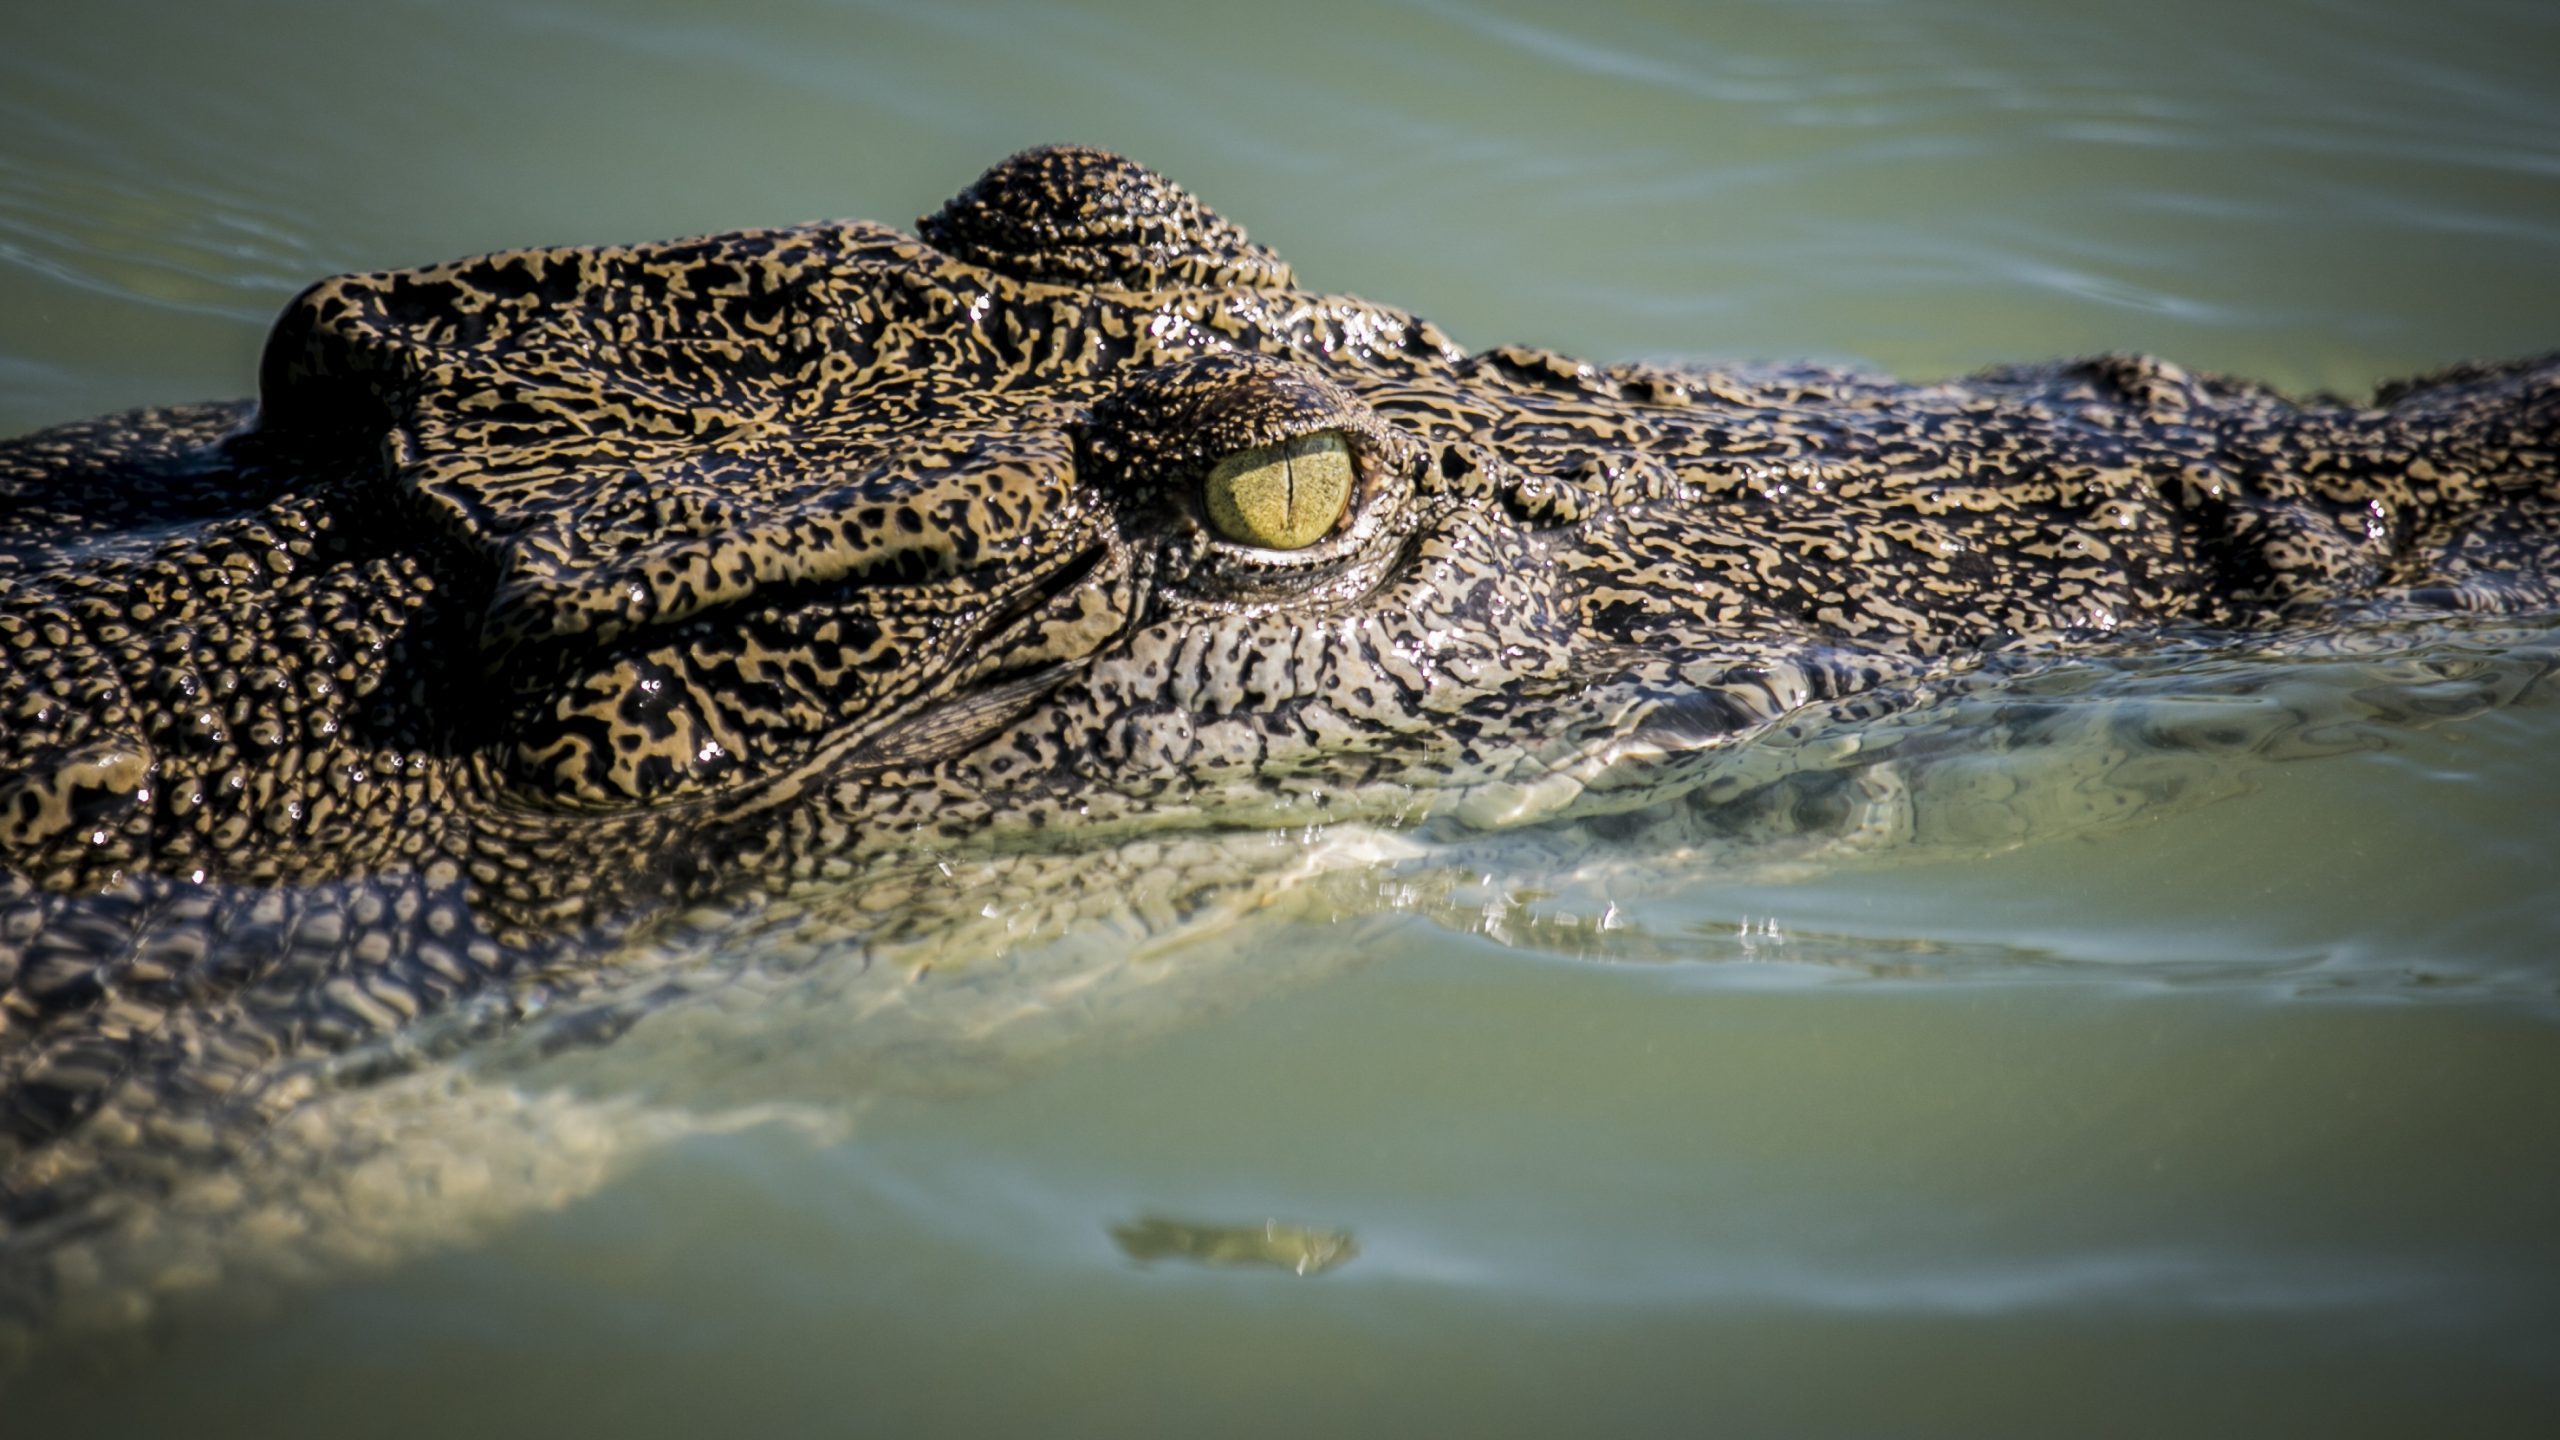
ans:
(1071, 508)
(1074, 509)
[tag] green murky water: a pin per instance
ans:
(2237, 1116)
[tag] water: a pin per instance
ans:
(2231, 1116)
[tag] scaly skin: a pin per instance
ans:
(548, 595)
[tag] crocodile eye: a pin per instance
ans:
(1285, 496)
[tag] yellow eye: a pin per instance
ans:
(1281, 497)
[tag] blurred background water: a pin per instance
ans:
(2236, 1119)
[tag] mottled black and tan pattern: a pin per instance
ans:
(543, 596)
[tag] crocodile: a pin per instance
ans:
(549, 604)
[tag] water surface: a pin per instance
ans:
(2226, 1112)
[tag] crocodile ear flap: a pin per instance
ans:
(1069, 215)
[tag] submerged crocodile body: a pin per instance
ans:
(545, 596)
